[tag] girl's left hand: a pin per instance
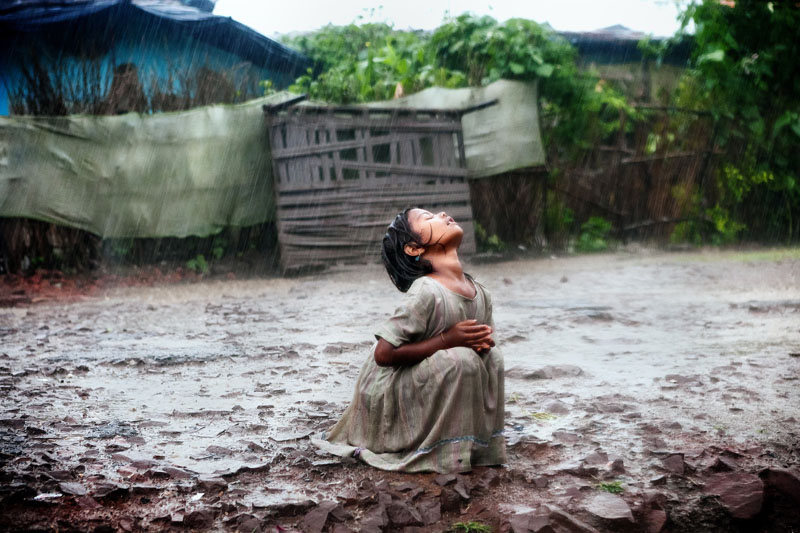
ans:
(484, 348)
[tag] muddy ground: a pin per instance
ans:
(645, 391)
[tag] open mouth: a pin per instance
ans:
(450, 220)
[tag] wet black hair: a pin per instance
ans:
(402, 268)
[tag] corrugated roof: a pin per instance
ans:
(24, 16)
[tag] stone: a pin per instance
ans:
(71, 487)
(723, 464)
(402, 515)
(740, 493)
(609, 507)
(655, 520)
(430, 510)
(783, 480)
(596, 458)
(556, 407)
(541, 482)
(315, 519)
(375, 520)
(200, 519)
(211, 484)
(450, 500)
(674, 463)
(548, 519)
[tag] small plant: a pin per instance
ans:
(594, 235)
(614, 487)
(198, 264)
(470, 527)
(486, 242)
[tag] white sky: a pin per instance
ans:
(656, 17)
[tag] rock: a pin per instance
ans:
(200, 519)
(402, 515)
(444, 479)
(617, 466)
(569, 467)
(450, 500)
(71, 487)
(177, 473)
(211, 484)
(740, 493)
(541, 482)
(566, 437)
(556, 407)
(109, 491)
(487, 479)
(723, 464)
(674, 463)
(87, 502)
(655, 520)
(219, 450)
(783, 480)
(548, 519)
(244, 522)
(546, 372)
(374, 520)
(462, 488)
(609, 507)
(430, 511)
(315, 519)
(596, 458)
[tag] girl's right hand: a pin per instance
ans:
(469, 334)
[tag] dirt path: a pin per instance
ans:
(645, 391)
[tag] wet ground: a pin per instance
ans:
(645, 391)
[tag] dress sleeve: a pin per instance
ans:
(410, 320)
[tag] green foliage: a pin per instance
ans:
(198, 264)
(470, 527)
(486, 242)
(366, 63)
(594, 235)
(744, 71)
(614, 487)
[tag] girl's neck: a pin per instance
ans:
(447, 266)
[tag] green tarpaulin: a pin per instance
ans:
(196, 172)
(167, 174)
(497, 139)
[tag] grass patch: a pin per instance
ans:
(542, 416)
(614, 487)
(470, 527)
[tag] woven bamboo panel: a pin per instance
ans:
(341, 174)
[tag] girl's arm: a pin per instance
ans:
(468, 333)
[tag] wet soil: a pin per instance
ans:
(645, 391)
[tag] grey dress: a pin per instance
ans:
(444, 414)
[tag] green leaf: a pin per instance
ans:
(516, 68)
(715, 56)
(545, 70)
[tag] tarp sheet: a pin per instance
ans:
(196, 172)
(497, 139)
(169, 174)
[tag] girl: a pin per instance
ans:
(430, 397)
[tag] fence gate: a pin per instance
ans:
(342, 173)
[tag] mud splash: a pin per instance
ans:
(645, 391)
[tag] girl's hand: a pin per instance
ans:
(469, 334)
(484, 348)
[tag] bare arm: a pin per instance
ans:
(467, 333)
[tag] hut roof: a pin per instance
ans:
(32, 16)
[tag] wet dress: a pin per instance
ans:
(443, 414)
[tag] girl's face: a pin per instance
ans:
(436, 228)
